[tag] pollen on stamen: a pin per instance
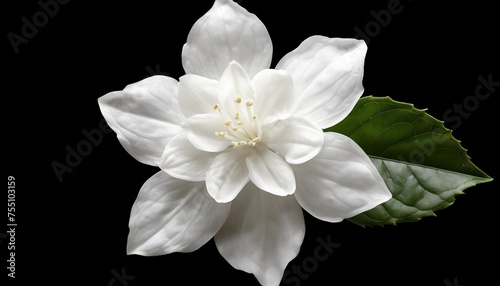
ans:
(228, 123)
(238, 100)
(221, 134)
(239, 123)
(254, 116)
(216, 107)
(237, 116)
(239, 144)
(249, 102)
(254, 141)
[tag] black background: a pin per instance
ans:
(74, 232)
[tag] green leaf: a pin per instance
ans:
(421, 163)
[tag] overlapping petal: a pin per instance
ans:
(226, 176)
(270, 172)
(197, 94)
(182, 160)
(200, 131)
(145, 116)
(262, 234)
(172, 215)
(274, 94)
(328, 74)
(226, 33)
(234, 83)
(295, 138)
(340, 182)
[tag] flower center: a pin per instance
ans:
(242, 127)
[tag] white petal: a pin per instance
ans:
(145, 116)
(197, 94)
(226, 33)
(270, 172)
(262, 234)
(234, 83)
(183, 161)
(172, 215)
(295, 138)
(340, 182)
(274, 93)
(201, 129)
(328, 74)
(226, 176)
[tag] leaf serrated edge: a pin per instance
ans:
(393, 221)
(388, 99)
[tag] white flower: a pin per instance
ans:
(241, 147)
